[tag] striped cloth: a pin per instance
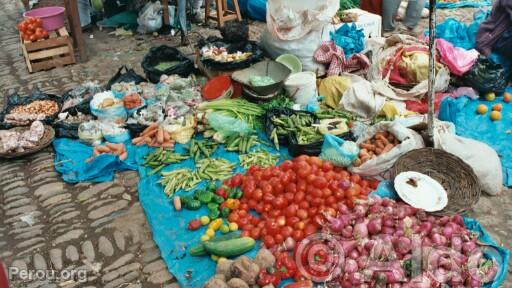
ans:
(330, 54)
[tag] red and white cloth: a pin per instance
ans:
(330, 54)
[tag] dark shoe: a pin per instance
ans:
(197, 18)
(184, 40)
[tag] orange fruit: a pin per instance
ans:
(490, 96)
(507, 97)
(481, 109)
(497, 107)
(495, 116)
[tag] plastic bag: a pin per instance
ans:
(150, 18)
(295, 149)
(17, 100)
(164, 53)
(235, 32)
(115, 113)
(338, 152)
(77, 99)
(458, 60)
(128, 76)
(481, 157)
(350, 38)
(332, 89)
(486, 76)
(292, 20)
(181, 131)
(377, 166)
(245, 46)
(228, 126)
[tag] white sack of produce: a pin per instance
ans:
(383, 54)
(376, 166)
(360, 98)
(481, 157)
(106, 107)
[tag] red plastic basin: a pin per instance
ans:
(218, 88)
(53, 17)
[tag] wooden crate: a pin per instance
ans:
(49, 53)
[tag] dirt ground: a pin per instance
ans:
(100, 227)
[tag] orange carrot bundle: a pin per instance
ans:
(109, 148)
(380, 143)
(154, 136)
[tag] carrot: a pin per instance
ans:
(368, 147)
(167, 144)
(167, 136)
(160, 135)
(149, 133)
(387, 148)
(151, 127)
(89, 159)
(365, 158)
(380, 144)
(123, 156)
(382, 138)
(103, 149)
(137, 140)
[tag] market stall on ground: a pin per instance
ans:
(273, 175)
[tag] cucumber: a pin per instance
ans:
(230, 248)
(198, 250)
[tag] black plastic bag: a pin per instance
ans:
(235, 32)
(17, 100)
(128, 76)
(486, 76)
(269, 125)
(84, 92)
(244, 46)
(163, 53)
(312, 149)
(66, 130)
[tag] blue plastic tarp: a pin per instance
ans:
(491, 250)
(254, 9)
(71, 156)
(458, 33)
(170, 227)
(497, 134)
(460, 4)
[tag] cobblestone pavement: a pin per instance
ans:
(100, 227)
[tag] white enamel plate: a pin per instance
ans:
(421, 191)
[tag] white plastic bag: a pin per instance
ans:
(377, 166)
(481, 157)
(150, 18)
(292, 20)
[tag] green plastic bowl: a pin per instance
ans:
(291, 61)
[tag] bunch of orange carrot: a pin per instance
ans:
(154, 136)
(109, 148)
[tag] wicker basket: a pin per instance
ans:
(47, 139)
(457, 177)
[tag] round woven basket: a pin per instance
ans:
(46, 140)
(456, 177)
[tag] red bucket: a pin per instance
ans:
(218, 88)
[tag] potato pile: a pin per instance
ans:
(45, 107)
(380, 143)
(110, 148)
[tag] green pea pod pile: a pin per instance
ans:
(160, 158)
(214, 169)
(201, 148)
(178, 179)
(260, 158)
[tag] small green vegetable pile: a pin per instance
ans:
(178, 179)
(260, 158)
(201, 148)
(300, 124)
(160, 158)
(241, 144)
(214, 169)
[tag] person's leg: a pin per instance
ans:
(196, 11)
(389, 10)
(182, 16)
(413, 13)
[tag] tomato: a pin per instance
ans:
(298, 235)
(330, 211)
(291, 221)
(339, 194)
(286, 231)
(278, 188)
(286, 165)
(257, 194)
(267, 207)
(243, 221)
(318, 220)
(266, 187)
(291, 188)
(289, 197)
(259, 208)
(22, 27)
(269, 241)
(301, 185)
(267, 174)
(280, 202)
(355, 178)
(272, 227)
(257, 176)
(253, 169)
(352, 192)
(252, 203)
(331, 200)
(304, 204)
(274, 213)
(286, 179)
(309, 229)
(326, 192)
(302, 214)
(320, 182)
(299, 196)
(327, 166)
(245, 234)
(317, 202)
(243, 206)
(33, 38)
(243, 213)
(268, 197)
(299, 225)
(303, 170)
(312, 210)
(310, 178)
(233, 216)
(255, 233)
(291, 210)
(38, 22)
(248, 227)
(278, 238)
(281, 221)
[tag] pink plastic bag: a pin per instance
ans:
(458, 60)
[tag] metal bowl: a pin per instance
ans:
(277, 71)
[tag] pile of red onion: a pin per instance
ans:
(391, 244)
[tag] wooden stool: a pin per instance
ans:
(223, 13)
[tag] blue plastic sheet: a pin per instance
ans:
(254, 9)
(458, 33)
(170, 227)
(491, 251)
(461, 112)
(460, 4)
(350, 38)
(70, 156)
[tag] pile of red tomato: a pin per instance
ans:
(292, 198)
(32, 29)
